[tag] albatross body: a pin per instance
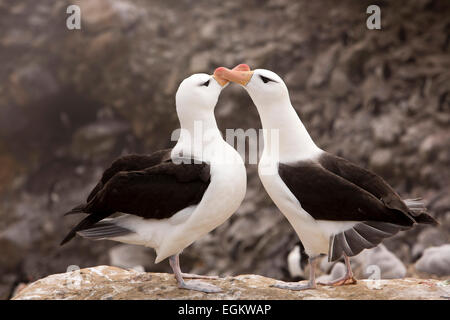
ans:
(171, 198)
(336, 207)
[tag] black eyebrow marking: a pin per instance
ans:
(205, 84)
(265, 79)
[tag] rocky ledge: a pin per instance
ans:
(104, 282)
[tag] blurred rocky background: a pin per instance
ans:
(73, 100)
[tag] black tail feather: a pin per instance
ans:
(104, 230)
(419, 211)
(426, 219)
(78, 209)
(363, 235)
(84, 224)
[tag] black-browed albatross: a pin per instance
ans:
(172, 197)
(336, 207)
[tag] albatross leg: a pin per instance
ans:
(297, 286)
(193, 276)
(190, 285)
(346, 279)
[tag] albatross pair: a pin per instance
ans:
(336, 208)
(172, 197)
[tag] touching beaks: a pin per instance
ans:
(222, 79)
(236, 75)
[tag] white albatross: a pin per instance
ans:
(336, 207)
(171, 198)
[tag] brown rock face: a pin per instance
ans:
(110, 283)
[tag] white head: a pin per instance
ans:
(196, 95)
(265, 87)
(196, 99)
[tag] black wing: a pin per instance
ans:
(327, 196)
(336, 189)
(131, 162)
(364, 179)
(376, 185)
(157, 192)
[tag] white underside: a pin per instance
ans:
(222, 198)
(150, 232)
(314, 234)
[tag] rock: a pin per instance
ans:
(200, 62)
(9, 172)
(97, 139)
(102, 44)
(381, 162)
(18, 288)
(295, 263)
(435, 260)
(380, 259)
(5, 291)
(260, 54)
(337, 272)
(297, 78)
(131, 257)
(433, 145)
(323, 66)
(339, 83)
(6, 285)
(209, 31)
(326, 266)
(12, 253)
(102, 14)
(354, 59)
(111, 283)
(32, 83)
(375, 94)
(387, 129)
(430, 237)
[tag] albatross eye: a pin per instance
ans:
(205, 84)
(265, 79)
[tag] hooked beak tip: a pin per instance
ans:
(220, 71)
(243, 67)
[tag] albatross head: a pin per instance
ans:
(196, 99)
(265, 87)
(271, 98)
(201, 91)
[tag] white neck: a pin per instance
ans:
(294, 142)
(198, 131)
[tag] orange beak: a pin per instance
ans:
(223, 80)
(239, 76)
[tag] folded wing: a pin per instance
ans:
(157, 192)
(327, 196)
(130, 162)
